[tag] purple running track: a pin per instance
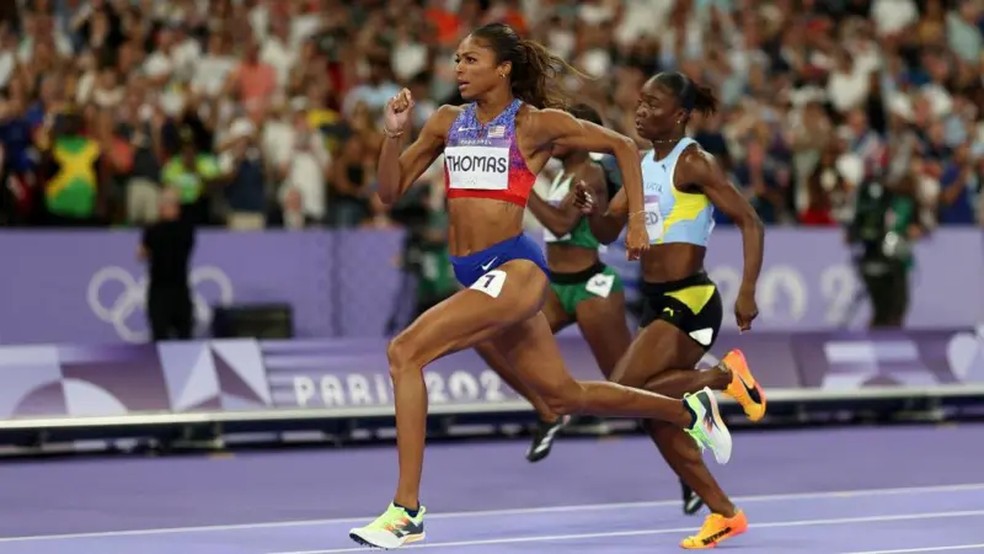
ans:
(886, 490)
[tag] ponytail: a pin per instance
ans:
(536, 73)
(690, 94)
(536, 78)
(704, 99)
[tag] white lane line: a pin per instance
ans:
(611, 534)
(847, 494)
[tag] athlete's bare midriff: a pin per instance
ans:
(478, 223)
(567, 258)
(671, 262)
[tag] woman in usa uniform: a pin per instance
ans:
(682, 312)
(583, 290)
(493, 147)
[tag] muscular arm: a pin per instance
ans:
(397, 171)
(606, 225)
(701, 169)
(555, 127)
(559, 220)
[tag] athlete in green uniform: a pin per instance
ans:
(584, 290)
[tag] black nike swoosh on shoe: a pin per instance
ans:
(753, 392)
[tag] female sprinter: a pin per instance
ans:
(582, 288)
(493, 148)
(683, 311)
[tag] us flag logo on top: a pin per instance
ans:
(497, 131)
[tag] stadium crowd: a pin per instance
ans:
(265, 113)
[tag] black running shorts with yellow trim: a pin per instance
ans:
(692, 305)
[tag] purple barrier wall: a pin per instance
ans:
(114, 380)
(83, 286)
(808, 282)
(88, 287)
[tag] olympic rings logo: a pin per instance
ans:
(133, 298)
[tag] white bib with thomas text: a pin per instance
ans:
(477, 167)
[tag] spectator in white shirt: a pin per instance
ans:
(848, 85)
(307, 168)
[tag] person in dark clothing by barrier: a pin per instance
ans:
(427, 276)
(885, 227)
(167, 246)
